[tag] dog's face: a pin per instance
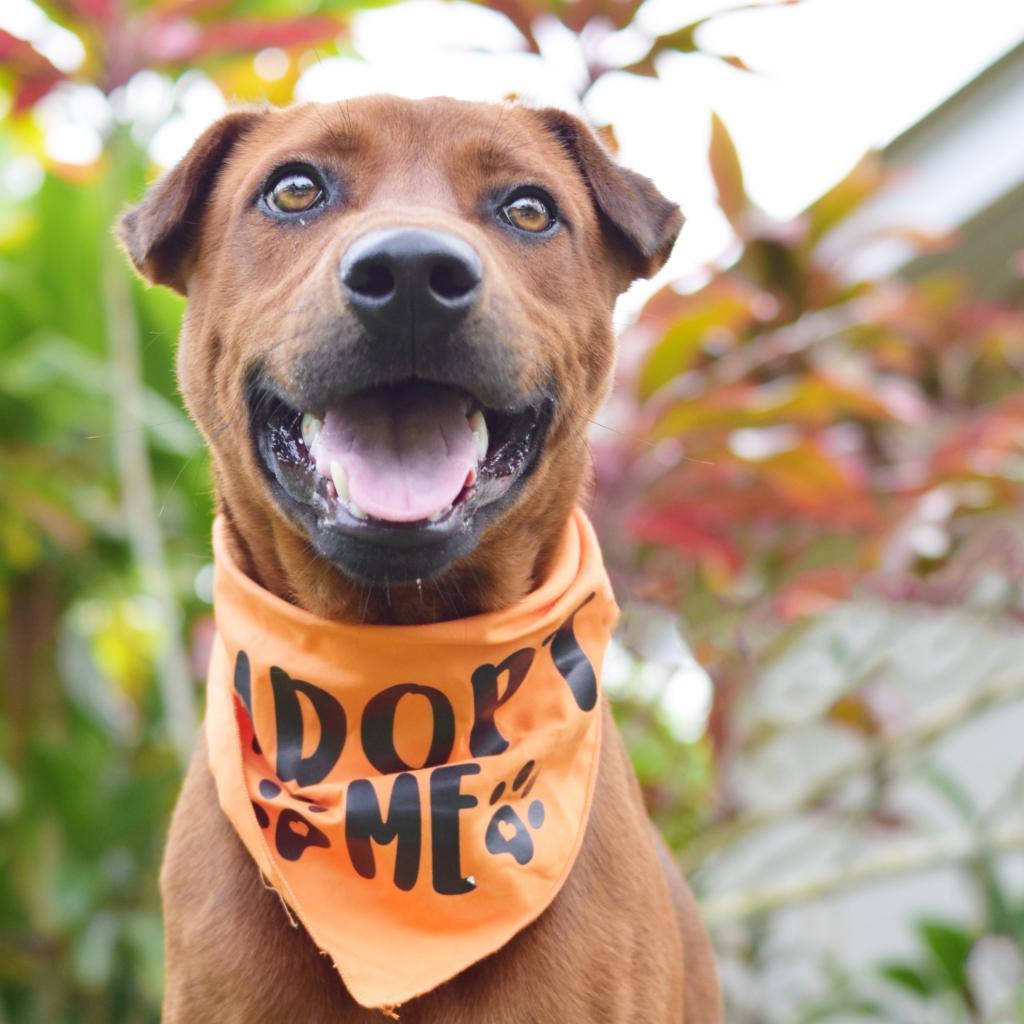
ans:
(399, 318)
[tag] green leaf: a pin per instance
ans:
(841, 1008)
(144, 935)
(950, 789)
(949, 946)
(724, 309)
(907, 977)
(728, 174)
(682, 39)
(94, 951)
(862, 182)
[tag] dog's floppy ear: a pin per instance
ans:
(645, 221)
(159, 233)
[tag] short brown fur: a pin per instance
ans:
(622, 941)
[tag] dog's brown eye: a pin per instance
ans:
(528, 213)
(294, 193)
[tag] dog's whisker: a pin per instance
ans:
(653, 445)
(174, 483)
(131, 430)
(368, 593)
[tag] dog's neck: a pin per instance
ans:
(509, 563)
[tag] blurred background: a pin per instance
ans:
(808, 478)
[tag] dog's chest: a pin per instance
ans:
(607, 949)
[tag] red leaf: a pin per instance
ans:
(251, 35)
(100, 11)
(167, 41)
(620, 12)
(187, 8)
(813, 591)
(34, 75)
(690, 530)
(20, 53)
(578, 14)
(520, 16)
(173, 41)
(30, 90)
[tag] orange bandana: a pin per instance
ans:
(416, 794)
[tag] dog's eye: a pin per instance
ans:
(529, 213)
(294, 193)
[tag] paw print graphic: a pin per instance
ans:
(294, 833)
(506, 831)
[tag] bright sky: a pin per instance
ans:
(836, 77)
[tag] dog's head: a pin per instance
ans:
(399, 318)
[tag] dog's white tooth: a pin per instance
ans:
(311, 427)
(478, 424)
(356, 510)
(340, 478)
(436, 517)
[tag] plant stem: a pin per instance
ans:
(138, 494)
(920, 854)
(939, 719)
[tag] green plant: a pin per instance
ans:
(785, 444)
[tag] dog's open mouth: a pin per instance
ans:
(406, 463)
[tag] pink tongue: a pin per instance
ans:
(406, 453)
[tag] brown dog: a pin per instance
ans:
(379, 247)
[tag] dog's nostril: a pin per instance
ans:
(452, 280)
(402, 275)
(371, 280)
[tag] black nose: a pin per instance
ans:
(410, 281)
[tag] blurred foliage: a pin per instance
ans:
(965, 973)
(784, 443)
(88, 780)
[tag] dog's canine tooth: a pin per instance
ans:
(478, 424)
(436, 517)
(340, 478)
(311, 427)
(356, 510)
